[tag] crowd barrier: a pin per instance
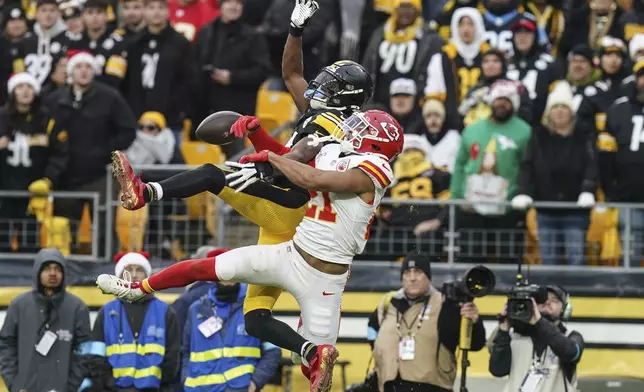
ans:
(173, 229)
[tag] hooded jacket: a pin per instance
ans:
(28, 316)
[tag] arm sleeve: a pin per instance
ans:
(457, 187)
(373, 326)
(525, 111)
(586, 116)
(263, 141)
(9, 346)
(185, 346)
(590, 174)
(500, 354)
(59, 152)
(567, 348)
(267, 365)
(435, 87)
(100, 370)
(80, 361)
(351, 13)
(123, 124)
(526, 181)
(170, 364)
(607, 153)
(254, 73)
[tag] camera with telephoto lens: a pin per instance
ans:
(476, 282)
(520, 301)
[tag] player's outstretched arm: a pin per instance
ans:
(292, 58)
(307, 177)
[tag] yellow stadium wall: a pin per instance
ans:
(596, 362)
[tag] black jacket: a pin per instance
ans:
(102, 379)
(557, 168)
(166, 59)
(544, 333)
(237, 48)
(578, 29)
(622, 161)
(97, 124)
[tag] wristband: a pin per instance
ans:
(295, 31)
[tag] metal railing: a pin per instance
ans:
(23, 232)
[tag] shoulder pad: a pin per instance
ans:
(376, 168)
(328, 120)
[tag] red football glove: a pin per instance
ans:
(217, 252)
(261, 156)
(244, 124)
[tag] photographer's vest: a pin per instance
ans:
(433, 363)
(523, 355)
(135, 359)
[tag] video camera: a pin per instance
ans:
(520, 300)
(476, 282)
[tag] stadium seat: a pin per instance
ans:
(274, 104)
(56, 233)
(199, 153)
(130, 228)
(85, 229)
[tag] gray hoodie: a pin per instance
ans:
(27, 318)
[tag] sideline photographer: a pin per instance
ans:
(542, 354)
(414, 333)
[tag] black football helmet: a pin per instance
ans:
(344, 85)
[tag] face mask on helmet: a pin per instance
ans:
(322, 89)
(357, 134)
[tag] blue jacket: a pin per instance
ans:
(192, 294)
(229, 359)
(135, 360)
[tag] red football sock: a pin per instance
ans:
(181, 275)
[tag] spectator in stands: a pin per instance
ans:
(499, 17)
(560, 164)
(622, 158)
(154, 143)
(416, 178)
(632, 21)
(107, 47)
(216, 323)
(475, 106)
(532, 65)
(57, 79)
(443, 22)
(636, 47)
(582, 73)
(160, 70)
(275, 28)
(401, 48)
(34, 151)
(545, 340)
(487, 168)
(458, 64)
(233, 61)
(45, 332)
(72, 15)
(414, 329)
(132, 19)
(588, 24)
(443, 141)
(134, 337)
(42, 50)
(402, 101)
(551, 19)
(14, 22)
(594, 104)
(98, 122)
(188, 17)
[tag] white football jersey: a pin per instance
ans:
(336, 225)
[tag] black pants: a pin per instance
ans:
(399, 385)
(497, 238)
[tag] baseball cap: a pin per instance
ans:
(402, 86)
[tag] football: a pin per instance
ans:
(215, 129)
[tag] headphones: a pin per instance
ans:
(560, 292)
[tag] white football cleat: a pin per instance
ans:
(110, 284)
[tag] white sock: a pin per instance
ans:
(158, 189)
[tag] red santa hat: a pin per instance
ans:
(20, 78)
(124, 259)
(78, 57)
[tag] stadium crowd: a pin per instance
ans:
(500, 100)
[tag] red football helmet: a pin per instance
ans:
(374, 132)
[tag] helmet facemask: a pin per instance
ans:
(357, 130)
